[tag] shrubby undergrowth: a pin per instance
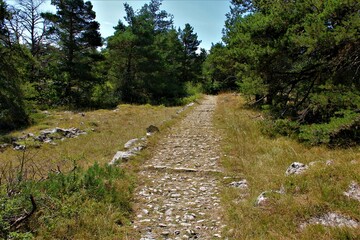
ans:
(78, 204)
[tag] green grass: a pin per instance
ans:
(263, 161)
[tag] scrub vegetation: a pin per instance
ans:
(262, 161)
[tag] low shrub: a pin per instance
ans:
(342, 130)
(68, 205)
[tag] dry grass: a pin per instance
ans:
(263, 162)
(107, 132)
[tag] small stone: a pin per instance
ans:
(217, 235)
(353, 191)
(168, 212)
(145, 220)
(121, 155)
(329, 162)
(189, 216)
(332, 220)
(3, 146)
(130, 143)
(162, 225)
(19, 147)
(243, 184)
(151, 130)
(185, 224)
(30, 135)
(203, 189)
(261, 199)
(191, 232)
(296, 168)
(165, 233)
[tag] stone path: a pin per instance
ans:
(179, 198)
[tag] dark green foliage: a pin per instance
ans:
(12, 113)
(300, 59)
(149, 61)
(190, 67)
(78, 34)
(218, 70)
(284, 127)
(54, 197)
(342, 130)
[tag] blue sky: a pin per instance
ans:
(207, 17)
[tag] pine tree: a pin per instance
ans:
(78, 35)
(299, 58)
(145, 56)
(190, 42)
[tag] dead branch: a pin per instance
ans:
(16, 223)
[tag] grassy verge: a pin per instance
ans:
(107, 132)
(81, 198)
(263, 162)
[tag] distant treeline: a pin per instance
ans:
(54, 59)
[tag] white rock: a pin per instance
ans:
(332, 220)
(353, 191)
(261, 199)
(296, 168)
(130, 143)
(168, 212)
(121, 155)
(203, 189)
(243, 184)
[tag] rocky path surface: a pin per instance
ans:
(179, 195)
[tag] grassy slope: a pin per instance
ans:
(82, 211)
(107, 132)
(263, 162)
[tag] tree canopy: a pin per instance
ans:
(150, 62)
(299, 60)
(54, 59)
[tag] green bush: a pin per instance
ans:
(283, 127)
(103, 96)
(343, 130)
(193, 92)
